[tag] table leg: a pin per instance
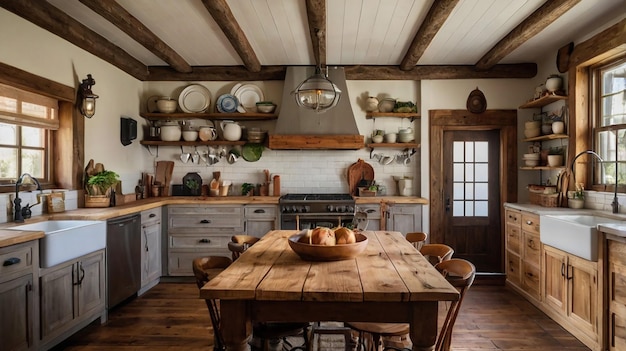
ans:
(424, 325)
(235, 325)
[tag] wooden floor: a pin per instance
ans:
(171, 317)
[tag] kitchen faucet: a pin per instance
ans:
(615, 203)
(21, 213)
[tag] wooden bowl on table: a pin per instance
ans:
(311, 252)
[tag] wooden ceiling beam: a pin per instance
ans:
(50, 18)
(223, 16)
(122, 19)
(436, 17)
(549, 12)
(316, 15)
(239, 73)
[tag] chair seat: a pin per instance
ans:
(388, 329)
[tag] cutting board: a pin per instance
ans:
(163, 175)
(357, 171)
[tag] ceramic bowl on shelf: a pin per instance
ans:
(555, 160)
(165, 104)
(531, 133)
(377, 139)
(265, 107)
(533, 156)
(531, 163)
(170, 131)
(190, 135)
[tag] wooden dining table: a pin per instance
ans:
(390, 281)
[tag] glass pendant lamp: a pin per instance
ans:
(317, 92)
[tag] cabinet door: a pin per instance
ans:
(90, 282)
(404, 218)
(513, 268)
(555, 264)
(57, 298)
(259, 227)
(150, 253)
(617, 295)
(16, 309)
(582, 299)
(373, 215)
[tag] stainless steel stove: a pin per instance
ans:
(307, 211)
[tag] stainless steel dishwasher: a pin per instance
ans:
(123, 258)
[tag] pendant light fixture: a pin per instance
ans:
(317, 92)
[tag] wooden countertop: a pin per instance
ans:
(11, 237)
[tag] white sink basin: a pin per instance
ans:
(576, 233)
(66, 240)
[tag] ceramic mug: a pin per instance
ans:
(207, 133)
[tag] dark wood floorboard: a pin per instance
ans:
(171, 317)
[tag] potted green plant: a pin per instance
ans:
(99, 188)
(193, 186)
(247, 189)
(578, 197)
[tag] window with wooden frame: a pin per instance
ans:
(26, 124)
(608, 108)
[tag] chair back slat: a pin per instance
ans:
(418, 239)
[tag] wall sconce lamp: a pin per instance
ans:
(87, 99)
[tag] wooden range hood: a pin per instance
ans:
(298, 128)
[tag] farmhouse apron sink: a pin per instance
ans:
(66, 240)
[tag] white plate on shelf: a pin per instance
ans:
(227, 103)
(151, 104)
(195, 98)
(248, 95)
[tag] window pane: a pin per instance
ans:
(482, 191)
(457, 151)
(32, 162)
(482, 172)
(458, 191)
(469, 208)
(457, 208)
(8, 163)
(33, 137)
(469, 191)
(481, 208)
(469, 151)
(482, 151)
(8, 134)
(8, 104)
(459, 175)
(469, 172)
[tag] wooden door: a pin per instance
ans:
(57, 299)
(16, 309)
(582, 294)
(473, 171)
(91, 277)
(472, 197)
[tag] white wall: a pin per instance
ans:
(37, 51)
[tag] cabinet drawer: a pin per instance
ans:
(199, 241)
(206, 210)
(16, 258)
(260, 211)
(151, 216)
(532, 249)
(513, 268)
(513, 217)
(531, 279)
(206, 222)
(530, 223)
(513, 238)
(179, 263)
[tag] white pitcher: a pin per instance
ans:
(231, 130)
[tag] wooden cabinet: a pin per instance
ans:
(523, 253)
(196, 230)
(150, 248)
(260, 219)
(72, 296)
(571, 290)
(404, 218)
(17, 290)
(616, 293)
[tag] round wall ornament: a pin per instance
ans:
(476, 102)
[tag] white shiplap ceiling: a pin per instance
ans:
(358, 32)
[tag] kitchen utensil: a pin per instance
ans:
(227, 103)
(184, 156)
(386, 105)
(249, 95)
(206, 133)
(170, 131)
(195, 157)
(391, 137)
(163, 176)
(265, 107)
(358, 171)
(190, 135)
(386, 160)
(252, 152)
(233, 156)
(310, 252)
(151, 104)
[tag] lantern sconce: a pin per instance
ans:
(86, 98)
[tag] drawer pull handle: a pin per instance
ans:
(529, 222)
(370, 210)
(152, 215)
(11, 261)
(205, 241)
(260, 210)
(205, 221)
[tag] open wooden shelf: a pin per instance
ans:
(189, 143)
(543, 101)
(411, 115)
(547, 137)
(155, 116)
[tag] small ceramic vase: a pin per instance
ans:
(371, 104)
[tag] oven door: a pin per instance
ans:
(312, 220)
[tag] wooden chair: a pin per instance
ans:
(459, 273)
(437, 253)
(240, 243)
(417, 239)
(205, 269)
